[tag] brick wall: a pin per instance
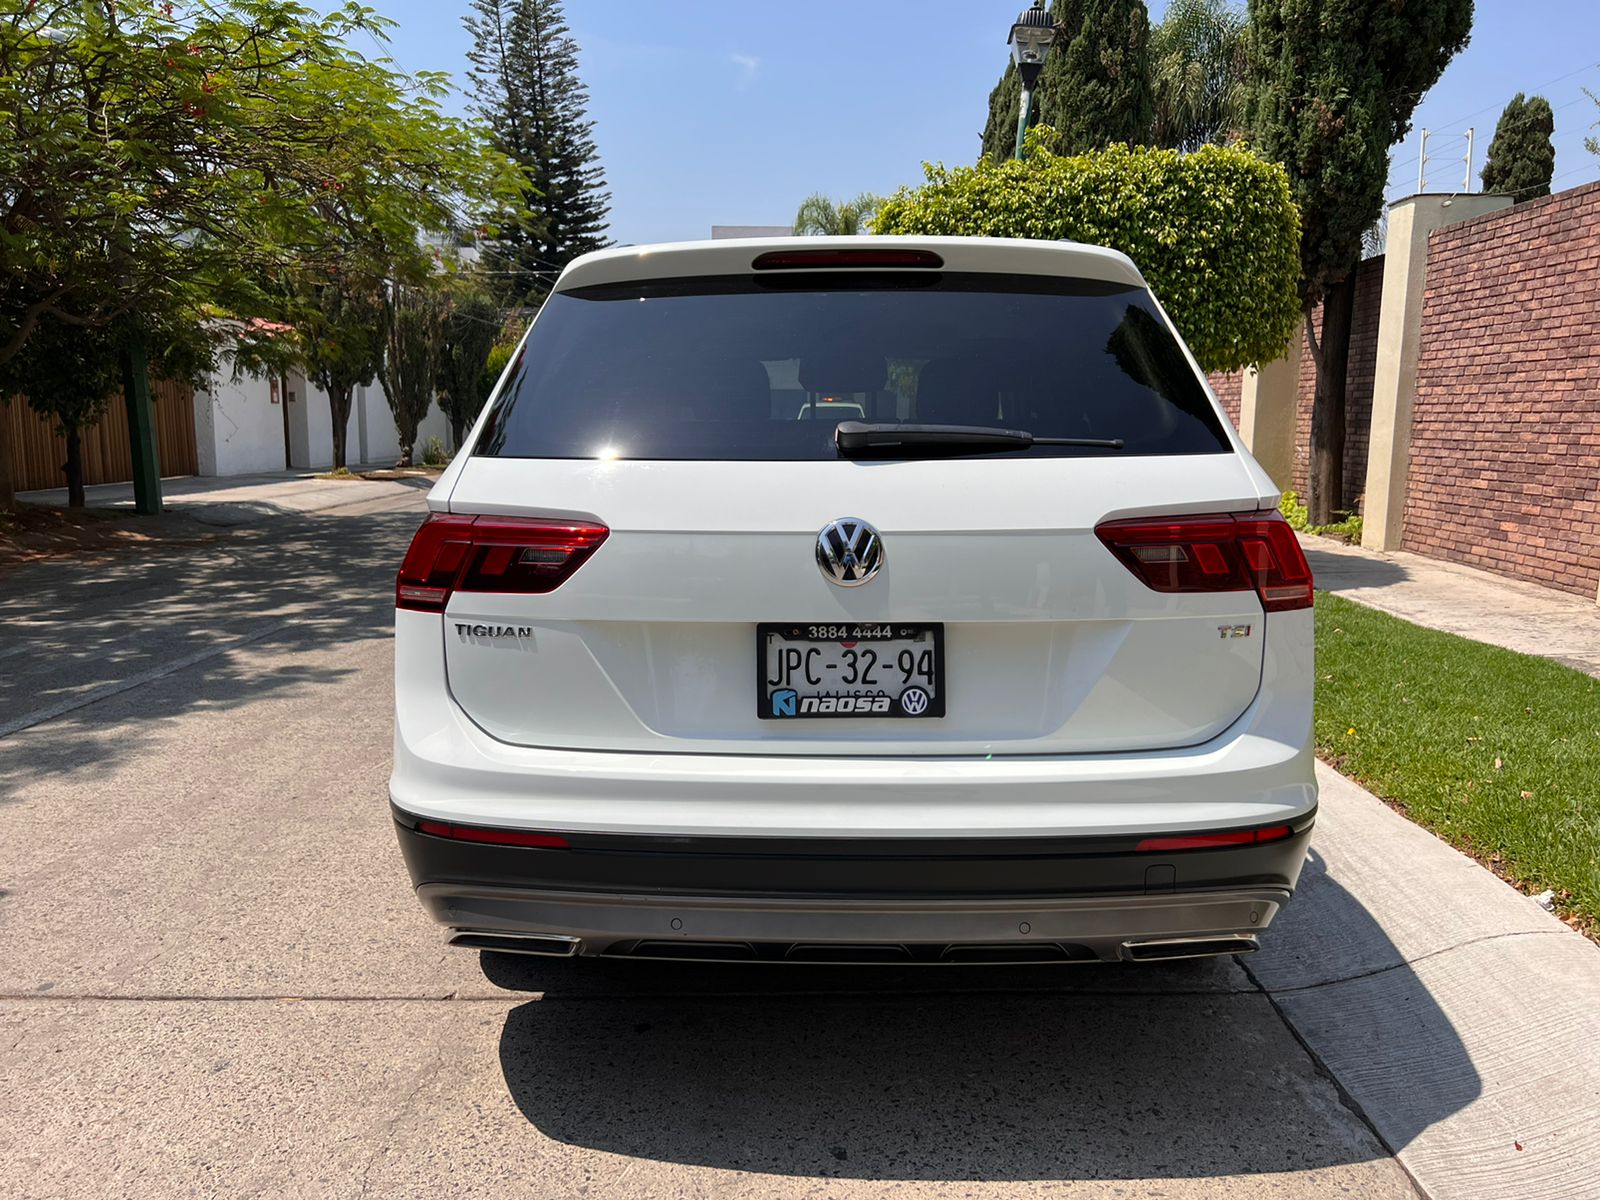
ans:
(1227, 386)
(1505, 447)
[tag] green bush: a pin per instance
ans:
(1293, 511)
(1214, 232)
(1347, 528)
(433, 454)
(499, 356)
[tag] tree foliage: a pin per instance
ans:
(163, 162)
(69, 376)
(413, 334)
(1333, 85)
(819, 216)
(1197, 67)
(495, 364)
(472, 324)
(1522, 155)
(338, 332)
(526, 88)
(1095, 87)
(196, 150)
(1214, 232)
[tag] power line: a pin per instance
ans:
(1443, 129)
(1588, 66)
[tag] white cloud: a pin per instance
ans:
(748, 64)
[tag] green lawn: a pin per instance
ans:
(1496, 752)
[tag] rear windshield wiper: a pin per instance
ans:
(857, 438)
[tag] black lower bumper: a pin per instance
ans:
(824, 868)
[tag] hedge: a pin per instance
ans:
(1214, 232)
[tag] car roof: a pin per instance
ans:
(735, 256)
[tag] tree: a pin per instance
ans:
(1522, 156)
(70, 378)
(70, 374)
(1333, 85)
(413, 330)
(471, 327)
(525, 87)
(1095, 87)
(223, 156)
(494, 365)
(1214, 232)
(819, 216)
(339, 332)
(1197, 66)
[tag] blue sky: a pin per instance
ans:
(722, 112)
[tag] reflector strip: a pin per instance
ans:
(1205, 841)
(494, 837)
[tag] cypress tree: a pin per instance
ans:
(1333, 85)
(1522, 156)
(1095, 88)
(526, 89)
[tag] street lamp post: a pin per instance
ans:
(1031, 38)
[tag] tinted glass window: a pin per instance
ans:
(765, 367)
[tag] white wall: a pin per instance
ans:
(379, 439)
(238, 427)
(375, 439)
(435, 424)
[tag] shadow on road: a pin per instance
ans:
(1076, 1072)
(1335, 572)
(70, 632)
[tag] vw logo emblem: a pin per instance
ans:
(849, 552)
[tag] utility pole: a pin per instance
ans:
(141, 428)
(1467, 186)
(1422, 165)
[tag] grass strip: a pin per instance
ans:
(1496, 752)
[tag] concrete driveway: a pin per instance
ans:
(214, 979)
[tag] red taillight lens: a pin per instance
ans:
(1213, 841)
(491, 836)
(792, 260)
(491, 554)
(1222, 553)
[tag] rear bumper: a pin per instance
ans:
(827, 899)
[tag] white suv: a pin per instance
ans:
(1016, 668)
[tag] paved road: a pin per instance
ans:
(214, 979)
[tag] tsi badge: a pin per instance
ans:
(1233, 631)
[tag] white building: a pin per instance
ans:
(250, 425)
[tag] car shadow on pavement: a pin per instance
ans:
(1334, 571)
(1183, 1070)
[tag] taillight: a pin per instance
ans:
(1223, 553)
(491, 554)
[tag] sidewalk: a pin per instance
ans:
(1463, 600)
(247, 499)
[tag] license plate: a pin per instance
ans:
(807, 671)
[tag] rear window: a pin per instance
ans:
(763, 368)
